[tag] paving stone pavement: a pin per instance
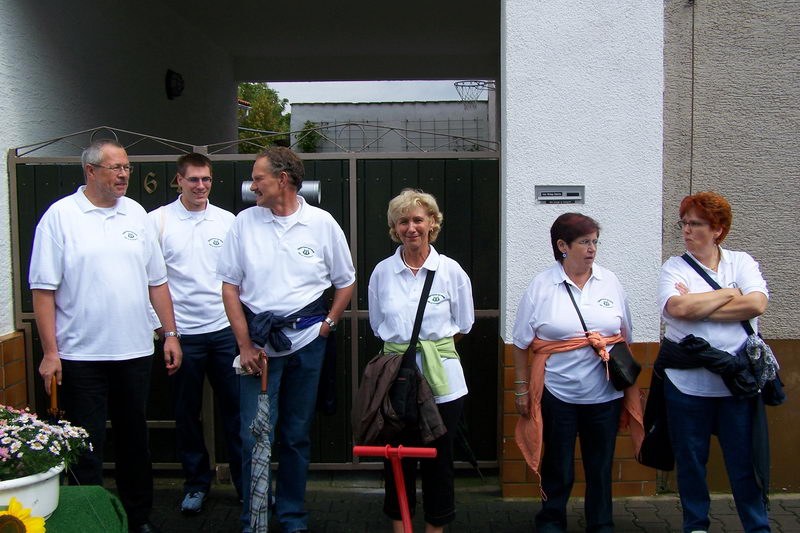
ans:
(344, 502)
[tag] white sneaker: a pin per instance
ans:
(193, 502)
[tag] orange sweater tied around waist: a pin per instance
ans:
(528, 432)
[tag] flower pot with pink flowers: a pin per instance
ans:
(32, 455)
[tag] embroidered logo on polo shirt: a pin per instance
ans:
(605, 302)
(436, 298)
(130, 235)
(305, 251)
(215, 242)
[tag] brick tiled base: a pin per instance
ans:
(13, 388)
(629, 477)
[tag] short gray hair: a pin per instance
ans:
(93, 154)
(282, 158)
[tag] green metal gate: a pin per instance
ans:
(356, 189)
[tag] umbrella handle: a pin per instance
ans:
(264, 366)
(54, 411)
(54, 393)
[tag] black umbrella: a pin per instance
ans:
(259, 479)
(463, 444)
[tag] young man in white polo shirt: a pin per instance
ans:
(191, 232)
(280, 257)
(95, 270)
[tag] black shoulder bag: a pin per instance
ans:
(772, 392)
(403, 392)
(622, 367)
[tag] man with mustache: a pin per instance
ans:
(95, 270)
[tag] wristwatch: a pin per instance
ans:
(331, 323)
(172, 334)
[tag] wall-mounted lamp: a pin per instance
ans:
(174, 84)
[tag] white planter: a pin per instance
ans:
(38, 492)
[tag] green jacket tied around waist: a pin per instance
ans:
(432, 354)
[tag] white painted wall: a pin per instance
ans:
(582, 105)
(62, 70)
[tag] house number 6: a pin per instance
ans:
(150, 183)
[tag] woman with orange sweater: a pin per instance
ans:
(569, 394)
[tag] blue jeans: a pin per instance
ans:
(597, 426)
(292, 386)
(206, 354)
(692, 420)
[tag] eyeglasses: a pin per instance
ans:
(691, 223)
(116, 168)
(587, 242)
(195, 180)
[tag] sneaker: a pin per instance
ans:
(193, 502)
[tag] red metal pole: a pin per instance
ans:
(394, 455)
(402, 499)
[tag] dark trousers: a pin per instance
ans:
(438, 496)
(94, 391)
(596, 424)
(206, 354)
(692, 420)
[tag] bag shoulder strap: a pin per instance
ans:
(714, 285)
(423, 299)
(162, 211)
(410, 355)
(574, 303)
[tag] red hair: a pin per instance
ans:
(569, 227)
(711, 207)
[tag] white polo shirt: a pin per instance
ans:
(546, 311)
(394, 294)
(191, 242)
(736, 269)
(284, 272)
(99, 262)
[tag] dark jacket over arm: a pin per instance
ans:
(695, 352)
(373, 417)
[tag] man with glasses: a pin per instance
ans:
(279, 258)
(95, 270)
(191, 232)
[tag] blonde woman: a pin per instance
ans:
(395, 287)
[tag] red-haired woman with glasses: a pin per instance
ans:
(698, 401)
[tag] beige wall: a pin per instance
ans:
(731, 122)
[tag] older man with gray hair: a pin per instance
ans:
(278, 259)
(95, 269)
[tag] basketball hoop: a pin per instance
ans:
(471, 90)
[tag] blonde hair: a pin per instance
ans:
(409, 199)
